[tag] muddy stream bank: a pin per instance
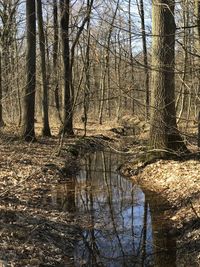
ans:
(75, 209)
(92, 218)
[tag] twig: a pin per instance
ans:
(194, 209)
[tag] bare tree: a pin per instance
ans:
(145, 56)
(45, 83)
(197, 13)
(1, 115)
(28, 130)
(107, 63)
(87, 74)
(55, 56)
(164, 134)
(68, 94)
(68, 60)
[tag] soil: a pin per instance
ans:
(29, 171)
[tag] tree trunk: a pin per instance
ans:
(164, 134)
(197, 13)
(68, 116)
(28, 130)
(183, 89)
(119, 100)
(102, 95)
(55, 57)
(1, 115)
(87, 74)
(131, 57)
(45, 119)
(107, 62)
(145, 58)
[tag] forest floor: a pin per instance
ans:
(28, 171)
(32, 232)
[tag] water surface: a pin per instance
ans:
(122, 226)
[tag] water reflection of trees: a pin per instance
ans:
(63, 197)
(117, 227)
(163, 242)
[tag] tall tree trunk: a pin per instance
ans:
(68, 94)
(119, 100)
(18, 83)
(145, 58)
(164, 134)
(28, 130)
(87, 74)
(45, 82)
(131, 56)
(102, 94)
(197, 13)
(1, 115)
(107, 62)
(55, 57)
(183, 89)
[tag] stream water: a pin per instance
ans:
(123, 225)
(117, 224)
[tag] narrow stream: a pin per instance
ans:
(123, 226)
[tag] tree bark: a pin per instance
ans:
(28, 130)
(145, 58)
(55, 57)
(87, 74)
(197, 13)
(68, 96)
(131, 57)
(164, 134)
(1, 113)
(45, 83)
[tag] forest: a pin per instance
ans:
(99, 133)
